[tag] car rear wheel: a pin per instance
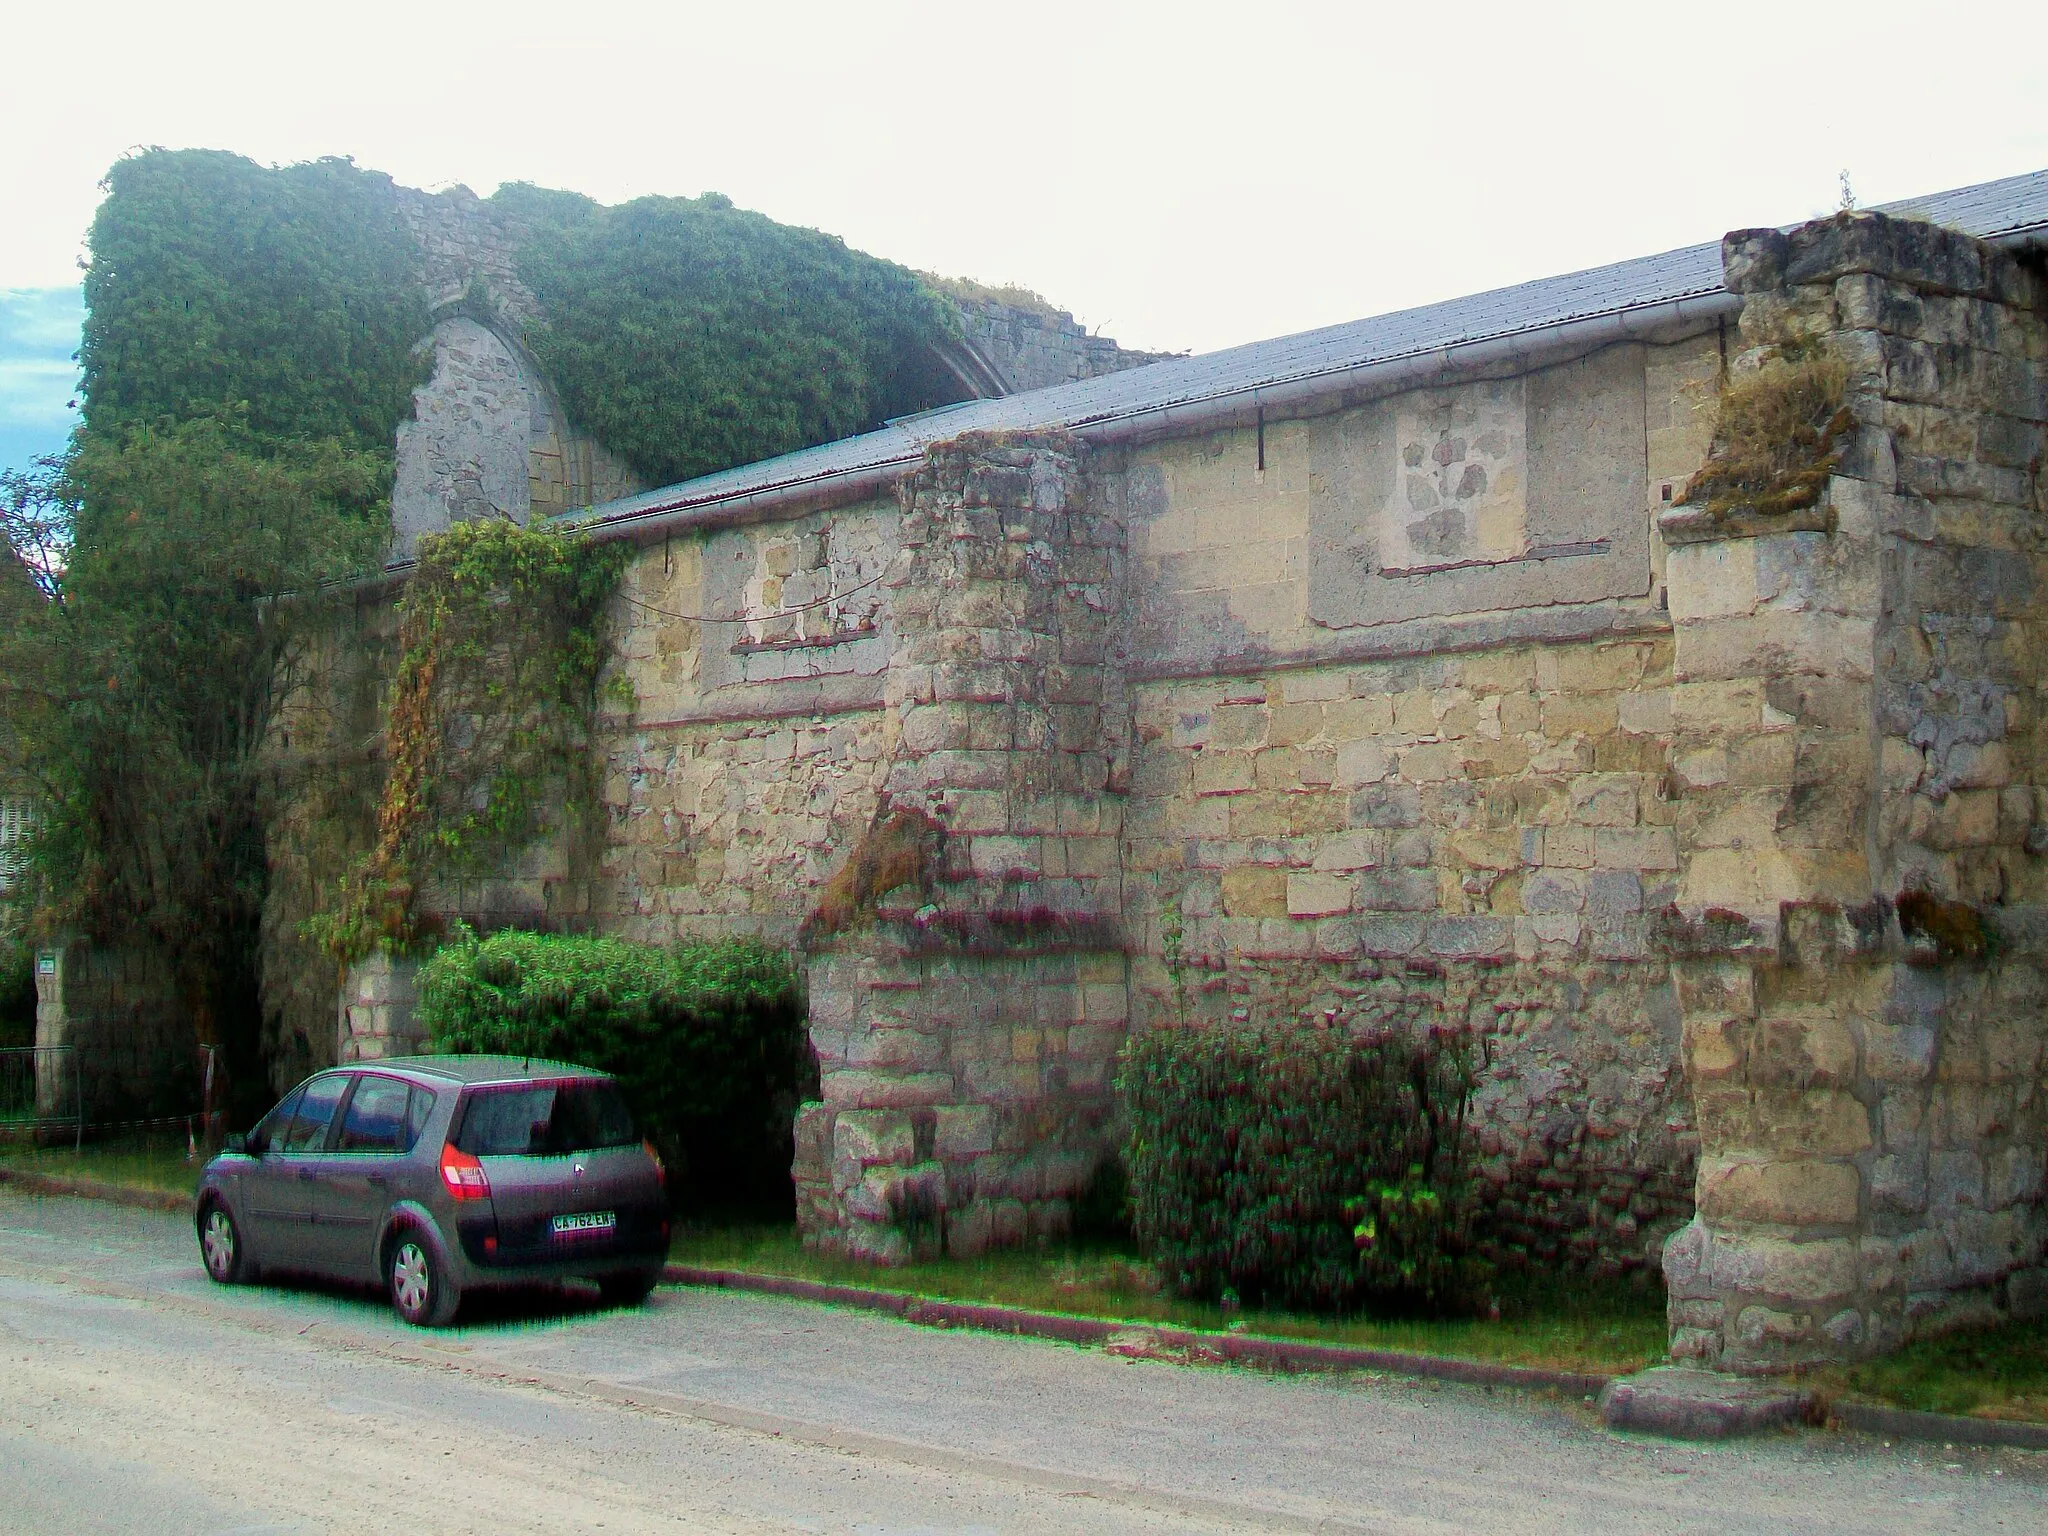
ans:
(421, 1291)
(220, 1246)
(628, 1290)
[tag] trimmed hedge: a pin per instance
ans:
(707, 1041)
(1306, 1168)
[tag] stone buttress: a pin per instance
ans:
(1857, 715)
(967, 1018)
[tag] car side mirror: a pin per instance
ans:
(236, 1142)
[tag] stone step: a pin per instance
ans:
(1689, 1404)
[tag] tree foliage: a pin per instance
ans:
(689, 335)
(248, 353)
(141, 691)
(286, 298)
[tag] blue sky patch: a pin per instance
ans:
(39, 331)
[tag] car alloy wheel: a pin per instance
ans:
(220, 1245)
(420, 1289)
(412, 1280)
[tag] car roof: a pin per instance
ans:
(469, 1070)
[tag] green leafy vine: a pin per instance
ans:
(487, 737)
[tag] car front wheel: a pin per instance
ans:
(220, 1245)
(421, 1291)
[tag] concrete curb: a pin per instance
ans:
(1948, 1429)
(141, 1195)
(1144, 1339)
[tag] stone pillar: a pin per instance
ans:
(1859, 666)
(967, 1008)
(375, 1018)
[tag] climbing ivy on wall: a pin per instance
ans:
(689, 335)
(287, 300)
(487, 735)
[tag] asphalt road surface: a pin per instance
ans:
(137, 1397)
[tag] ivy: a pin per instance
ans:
(689, 335)
(288, 299)
(487, 738)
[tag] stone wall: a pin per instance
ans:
(488, 438)
(1477, 838)
(1722, 830)
(1857, 769)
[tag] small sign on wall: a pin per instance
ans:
(46, 963)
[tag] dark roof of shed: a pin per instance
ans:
(2017, 205)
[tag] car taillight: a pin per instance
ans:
(654, 1157)
(463, 1174)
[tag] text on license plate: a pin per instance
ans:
(586, 1221)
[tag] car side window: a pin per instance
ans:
(270, 1129)
(375, 1119)
(314, 1114)
(422, 1105)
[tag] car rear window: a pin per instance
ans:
(543, 1119)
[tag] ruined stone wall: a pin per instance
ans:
(1034, 348)
(1857, 769)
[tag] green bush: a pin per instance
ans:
(1301, 1167)
(707, 1041)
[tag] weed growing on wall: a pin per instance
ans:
(1302, 1167)
(1777, 437)
(487, 737)
(707, 1041)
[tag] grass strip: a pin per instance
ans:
(1987, 1373)
(1589, 1327)
(151, 1162)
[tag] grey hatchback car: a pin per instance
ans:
(438, 1175)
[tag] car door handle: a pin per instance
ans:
(377, 1180)
(307, 1174)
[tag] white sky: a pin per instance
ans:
(1181, 175)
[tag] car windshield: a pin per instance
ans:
(545, 1119)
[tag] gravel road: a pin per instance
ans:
(136, 1397)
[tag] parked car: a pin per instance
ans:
(440, 1175)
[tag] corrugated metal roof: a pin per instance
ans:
(2016, 205)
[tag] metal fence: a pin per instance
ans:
(49, 1092)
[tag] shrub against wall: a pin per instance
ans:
(707, 1041)
(1301, 1167)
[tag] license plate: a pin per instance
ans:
(585, 1221)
